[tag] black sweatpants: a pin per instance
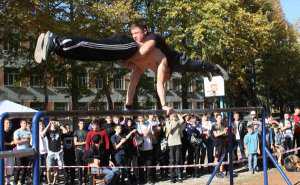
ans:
(118, 47)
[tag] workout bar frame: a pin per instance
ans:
(38, 115)
(128, 112)
(35, 146)
(17, 153)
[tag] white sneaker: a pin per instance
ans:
(48, 45)
(38, 49)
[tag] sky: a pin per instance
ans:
(291, 9)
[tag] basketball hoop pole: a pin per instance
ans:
(222, 103)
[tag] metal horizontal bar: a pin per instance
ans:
(130, 112)
(17, 153)
(20, 114)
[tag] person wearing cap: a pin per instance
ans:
(251, 142)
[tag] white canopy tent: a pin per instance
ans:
(9, 106)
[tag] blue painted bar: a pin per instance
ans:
(17, 153)
(230, 135)
(35, 144)
(264, 146)
(2, 118)
(216, 169)
(283, 175)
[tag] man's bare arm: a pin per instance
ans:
(145, 48)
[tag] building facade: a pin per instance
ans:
(31, 91)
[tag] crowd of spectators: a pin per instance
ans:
(178, 139)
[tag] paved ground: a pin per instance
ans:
(243, 178)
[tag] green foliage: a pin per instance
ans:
(240, 35)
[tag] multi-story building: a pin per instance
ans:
(31, 91)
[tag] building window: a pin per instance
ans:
(82, 106)
(118, 84)
(99, 106)
(35, 81)
(60, 106)
(200, 105)
(37, 105)
(177, 105)
(10, 77)
(99, 83)
(176, 84)
(83, 80)
(60, 81)
(190, 87)
(190, 105)
(200, 86)
(118, 106)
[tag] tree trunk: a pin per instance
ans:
(74, 86)
(46, 97)
(107, 94)
(184, 91)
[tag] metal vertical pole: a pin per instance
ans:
(2, 118)
(222, 104)
(265, 164)
(230, 135)
(35, 145)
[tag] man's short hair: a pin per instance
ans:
(140, 23)
(218, 114)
